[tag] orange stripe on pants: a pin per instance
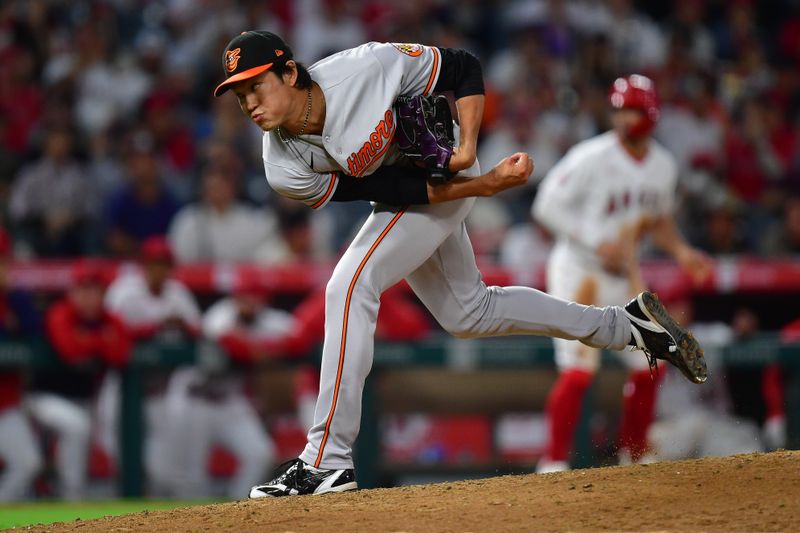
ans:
(344, 332)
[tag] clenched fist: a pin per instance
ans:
(512, 171)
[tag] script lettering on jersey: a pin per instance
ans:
(374, 147)
(622, 201)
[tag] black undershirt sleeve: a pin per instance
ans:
(391, 185)
(461, 72)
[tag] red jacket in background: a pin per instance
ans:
(10, 389)
(77, 341)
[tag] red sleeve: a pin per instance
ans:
(309, 330)
(292, 344)
(310, 316)
(306, 381)
(70, 343)
(790, 333)
(10, 388)
(193, 331)
(772, 390)
(400, 320)
(143, 332)
(238, 347)
(116, 342)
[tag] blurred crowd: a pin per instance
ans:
(188, 412)
(112, 145)
(109, 133)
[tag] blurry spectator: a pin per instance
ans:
(546, 134)
(693, 132)
(599, 66)
(153, 305)
(638, 43)
(106, 89)
(87, 339)
(235, 140)
(219, 228)
(759, 151)
(219, 411)
(700, 421)
(52, 202)
(150, 301)
(557, 34)
(234, 157)
(19, 449)
(737, 32)
(756, 395)
(143, 207)
(784, 90)
(9, 165)
(105, 166)
(722, 231)
(519, 131)
(488, 223)
(784, 237)
(521, 66)
(524, 252)
(325, 27)
(306, 239)
(21, 98)
(174, 143)
(688, 20)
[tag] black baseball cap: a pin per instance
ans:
(249, 54)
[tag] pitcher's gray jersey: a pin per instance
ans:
(360, 86)
(425, 244)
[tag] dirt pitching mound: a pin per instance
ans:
(759, 492)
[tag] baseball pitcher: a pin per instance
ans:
(334, 132)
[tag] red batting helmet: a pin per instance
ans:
(637, 92)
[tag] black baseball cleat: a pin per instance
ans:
(658, 335)
(294, 478)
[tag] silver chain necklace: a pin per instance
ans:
(305, 122)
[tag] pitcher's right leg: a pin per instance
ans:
(450, 286)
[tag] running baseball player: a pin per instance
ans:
(329, 135)
(599, 201)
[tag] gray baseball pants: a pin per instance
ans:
(429, 247)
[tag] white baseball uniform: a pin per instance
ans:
(131, 299)
(226, 416)
(599, 193)
(425, 244)
(19, 450)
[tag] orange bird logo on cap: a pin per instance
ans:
(232, 59)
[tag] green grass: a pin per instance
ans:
(25, 514)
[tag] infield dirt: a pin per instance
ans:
(759, 492)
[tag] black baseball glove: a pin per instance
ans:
(425, 133)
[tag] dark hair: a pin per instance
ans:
(303, 77)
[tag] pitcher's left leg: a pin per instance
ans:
(390, 245)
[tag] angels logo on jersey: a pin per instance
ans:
(413, 50)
